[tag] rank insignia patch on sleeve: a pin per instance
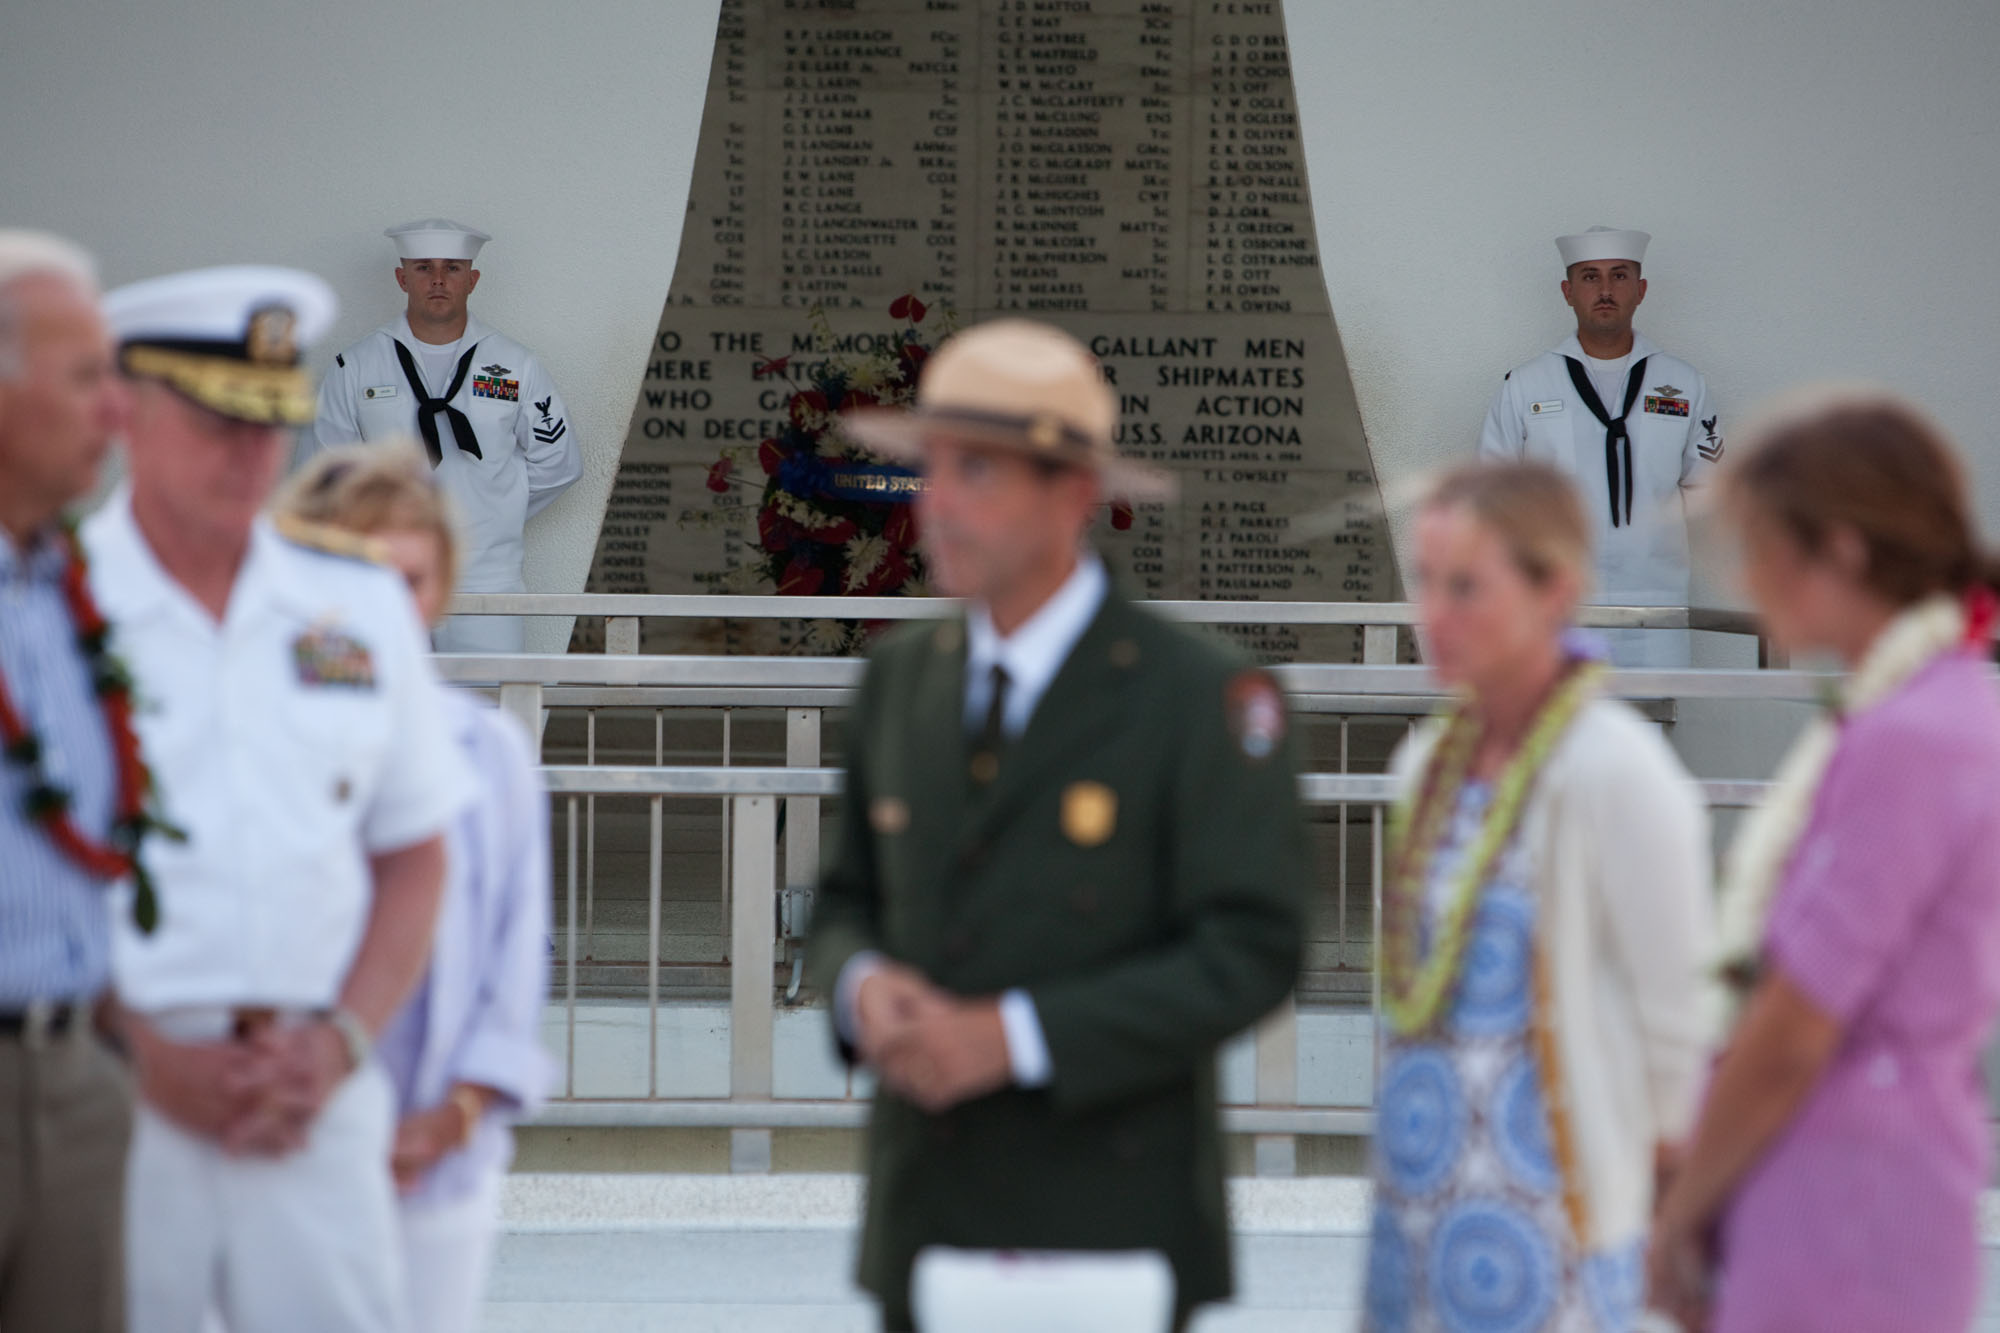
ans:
(1711, 447)
(1256, 713)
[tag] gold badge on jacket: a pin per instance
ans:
(1089, 813)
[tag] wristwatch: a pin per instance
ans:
(353, 1035)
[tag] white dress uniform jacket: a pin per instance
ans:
(528, 451)
(290, 741)
(1633, 490)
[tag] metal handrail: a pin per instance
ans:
(844, 673)
(719, 606)
(709, 782)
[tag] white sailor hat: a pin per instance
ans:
(1601, 243)
(437, 238)
(229, 338)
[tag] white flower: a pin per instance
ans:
(864, 556)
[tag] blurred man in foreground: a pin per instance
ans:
(299, 744)
(65, 1101)
(1071, 862)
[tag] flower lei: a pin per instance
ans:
(1755, 867)
(49, 804)
(1413, 987)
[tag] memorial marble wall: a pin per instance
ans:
(1129, 169)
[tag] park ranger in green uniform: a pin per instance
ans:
(1071, 861)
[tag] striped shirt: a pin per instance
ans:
(55, 937)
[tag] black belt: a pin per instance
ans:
(58, 1017)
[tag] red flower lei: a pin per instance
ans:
(50, 805)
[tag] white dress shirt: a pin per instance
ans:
(1031, 656)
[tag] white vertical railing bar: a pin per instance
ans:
(524, 701)
(590, 839)
(621, 635)
(657, 854)
(569, 998)
(802, 750)
(1375, 964)
(728, 844)
(753, 952)
(1340, 813)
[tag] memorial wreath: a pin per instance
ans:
(834, 519)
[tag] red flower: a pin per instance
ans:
(914, 354)
(1121, 516)
(807, 405)
(776, 533)
(801, 579)
(775, 366)
(907, 307)
(835, 534)
(901, 529)
(769, 455)
(718, 475)
(891, 574)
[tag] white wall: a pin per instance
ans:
(166, 136)
(1821, 179)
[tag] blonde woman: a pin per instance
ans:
(1844, 1138)
(465, 1054)
(1544, 930)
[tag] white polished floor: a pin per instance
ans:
(687, 1281)
(685, 1254)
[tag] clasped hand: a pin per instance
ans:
(931, 1047)
(257, 1097)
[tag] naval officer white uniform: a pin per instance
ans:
(1634, 426)
(490, 417)
(298, 740)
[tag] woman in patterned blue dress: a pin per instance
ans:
(1545, 927)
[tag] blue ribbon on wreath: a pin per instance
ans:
(810, 477)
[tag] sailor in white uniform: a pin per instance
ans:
(489, 416)
(1635, 427)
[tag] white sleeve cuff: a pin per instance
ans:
(1027, 1048)
(847, 991)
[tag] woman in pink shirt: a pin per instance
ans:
(1833, 1179)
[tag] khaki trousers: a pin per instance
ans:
(65, 1123)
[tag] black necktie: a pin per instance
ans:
(992, 736)
(429, 407)
(1617, 441)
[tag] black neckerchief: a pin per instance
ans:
(1615, 434)
(429, 407)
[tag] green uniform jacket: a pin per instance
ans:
(1139, 867)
